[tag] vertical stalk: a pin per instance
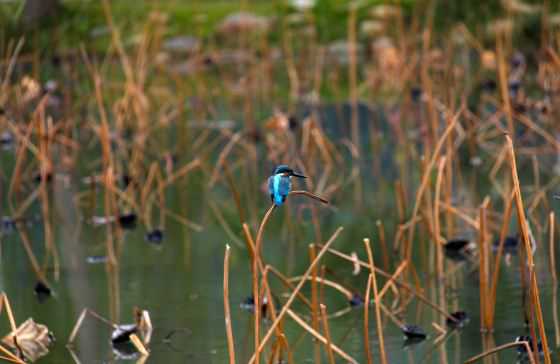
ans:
(525, 232)
(366, 320)
(551, 221)
(315, 303)
(327, 334)
(377, 303)
(227, 312)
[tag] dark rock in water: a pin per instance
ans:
(126, 180)
(37, 177)
(8, 224)
(413, 332)
(461, 319)
(455, 249)
(122, 333)
(519, 108)
(356, 300)
(415, 93)
(155, 236)
(42, 291)
(293, 122)
(488, 85)
(249, 305)
(456, 244)
(128, 220)
(6, 140)
(517, 60)
(522, 350)
(511, 243)
(96, 259)
(514, 86)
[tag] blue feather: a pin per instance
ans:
(279, 186)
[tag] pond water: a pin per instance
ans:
(180, 283)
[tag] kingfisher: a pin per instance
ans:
(280, 183)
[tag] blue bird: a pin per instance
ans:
(280, 184)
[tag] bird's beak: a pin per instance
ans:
(298, 175)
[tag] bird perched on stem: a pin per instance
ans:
(280, 183)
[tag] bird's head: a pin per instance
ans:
(287, 171)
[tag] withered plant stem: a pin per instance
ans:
(498, 259)
(366, 320)
(320, 337)
(424, 184)
(397, 282)
(227, 312)
(383, 244)
(552, 252)
(536, 307)
(315, 312)
(377, 303)
(483, 256)
(440, 263)
(525, 344)
(294, 293)
(327, 333)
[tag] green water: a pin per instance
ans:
(180, 284)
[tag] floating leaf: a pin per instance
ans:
(32, 339)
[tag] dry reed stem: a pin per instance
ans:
(9, 312)
(319, 337)
(295, 292)
(271, 307)
(286, 282)
(401, 200)
(425, 181)
(139, 345)
(498, 259)
(552, 252)
(255, 267)
(80, 320)
(526, 240)
(389, 282)
(476, 358)
(327, 333)
(483, 256)
(366, 320)
(10, 356)
(195, 163)
(383, 244)
(377, 303)
(323, 281)
(455, 211)
(234, 192)
(227, 312)
(440, 264)
(555, 314)
(127, 68)
(222, 157)
(32, 259)
(503, 82)
(315, 313)
(310, 195)
(217, 213)
(406, 286)
(11, 65)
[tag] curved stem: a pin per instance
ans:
(310, 195)
(256, 294)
